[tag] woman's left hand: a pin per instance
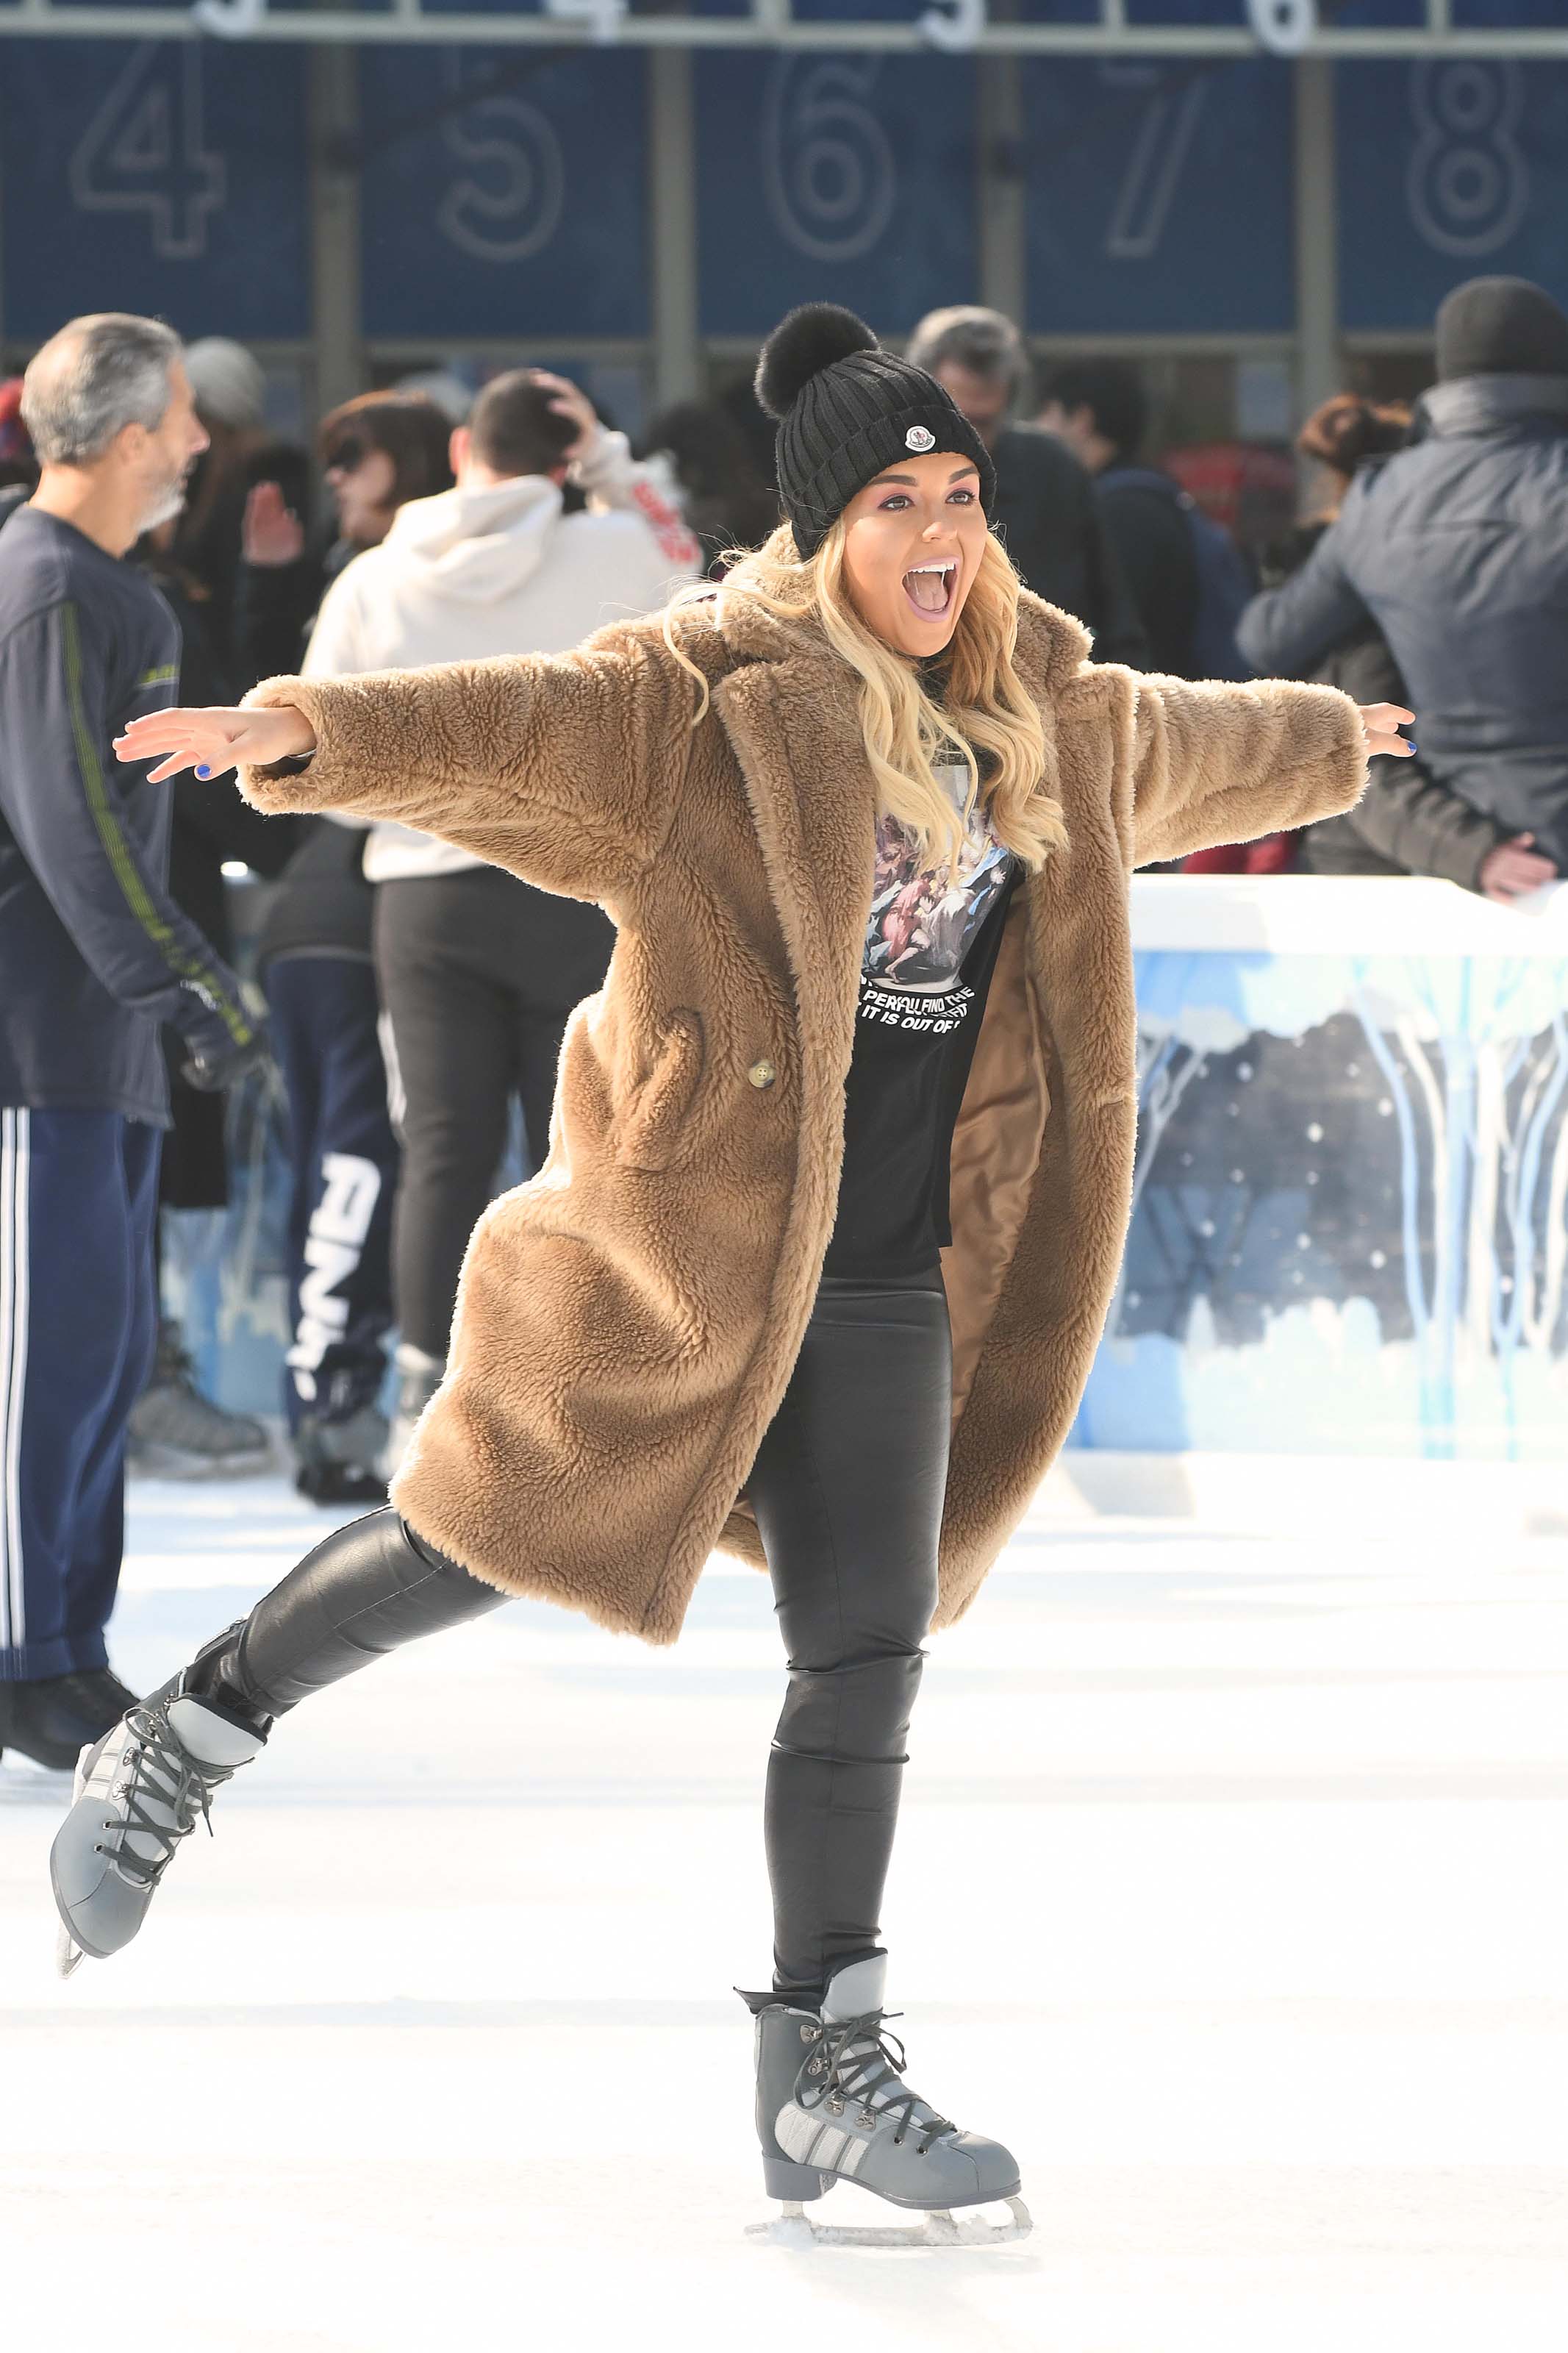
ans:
(1381, 723)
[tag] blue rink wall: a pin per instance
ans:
(1351, 1224)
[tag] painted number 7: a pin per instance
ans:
(1161, 142)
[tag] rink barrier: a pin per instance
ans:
(1350, 1227)
(1350, 1231)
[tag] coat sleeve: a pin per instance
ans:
(563, 768)
(1115, 620)
(68, 803)
(1405, 813)
(619, 484)
(273, 604)
(1287, 632)
(335, 645)
(1216, 764)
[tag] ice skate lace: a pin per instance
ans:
(157, 1765)
(857, 2058)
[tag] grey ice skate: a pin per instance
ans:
(175, 1432)
(139, 1792)
(832, 2107)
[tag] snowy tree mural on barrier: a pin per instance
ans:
(1351, 1208)
(1350, 1230)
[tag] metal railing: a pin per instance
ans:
(1284, 27)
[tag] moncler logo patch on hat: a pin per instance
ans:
(920, 436)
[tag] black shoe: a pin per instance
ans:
(340, 1482)
(338, 1449)
(104, 1693)
(53, 1721)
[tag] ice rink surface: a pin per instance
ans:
(1232, 1893)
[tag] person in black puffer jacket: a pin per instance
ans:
(1408, 822)
(1457, 548)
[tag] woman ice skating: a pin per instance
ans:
(838, 1172)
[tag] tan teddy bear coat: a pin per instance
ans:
(628, 1321)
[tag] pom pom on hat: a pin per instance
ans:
(800, 346)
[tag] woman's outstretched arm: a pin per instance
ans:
(563, 768)
(1220, 763)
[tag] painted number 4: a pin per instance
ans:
(145, 152)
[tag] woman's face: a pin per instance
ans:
(362, 481)
(912, 544)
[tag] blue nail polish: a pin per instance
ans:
(1413, 744)
(203, 770)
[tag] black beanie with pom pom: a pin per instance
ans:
(848, 411)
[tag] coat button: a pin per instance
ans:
(762, 1073)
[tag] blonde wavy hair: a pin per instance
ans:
(986, 710)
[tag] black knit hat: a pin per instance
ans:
(848, 410)
(1501, 326)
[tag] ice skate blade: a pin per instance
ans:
(69, 1954)
(792, 2227)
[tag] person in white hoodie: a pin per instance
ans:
(478, 972)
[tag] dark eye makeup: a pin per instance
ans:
(897, 500)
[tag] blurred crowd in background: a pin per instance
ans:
(416, 999)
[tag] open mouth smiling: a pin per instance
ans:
(930, 588)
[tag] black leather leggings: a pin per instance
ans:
(847, 1491)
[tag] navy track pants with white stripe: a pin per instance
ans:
(78, 1198)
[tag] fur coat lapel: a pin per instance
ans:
(791, 712)
(792, 727)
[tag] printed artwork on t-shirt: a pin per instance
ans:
(931, 944)
(923, 924)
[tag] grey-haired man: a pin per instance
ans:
(1046, 515)
(94, 957)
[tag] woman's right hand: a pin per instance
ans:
(213, 741)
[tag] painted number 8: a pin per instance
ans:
(1469, 184)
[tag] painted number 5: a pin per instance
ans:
(507, 204)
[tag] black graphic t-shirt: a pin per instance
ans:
(930, 949)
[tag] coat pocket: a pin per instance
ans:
(654, 1133)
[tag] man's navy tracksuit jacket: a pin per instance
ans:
(94, 957)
